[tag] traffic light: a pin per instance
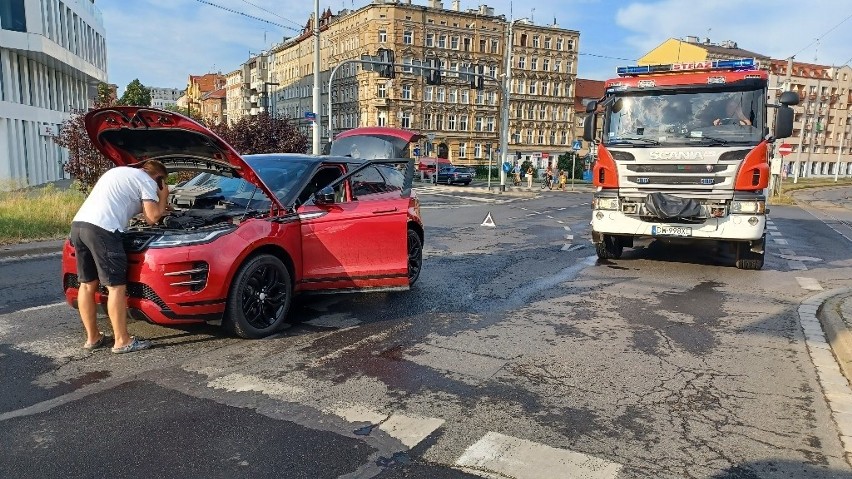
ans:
(433, 74)
(387, 58)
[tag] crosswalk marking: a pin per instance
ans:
(809, 283)
(518, 458)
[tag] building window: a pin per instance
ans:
(406, 65)
(534, 64)
(427, 93)
(492, 71)
(462, 150)
(382, 91)
(542, 113)
(406, 119)
(478, 124)
(545, 65)
(451, 122)
(557, 66)
(535, 41)
(427, 121)
(552, 138)
(533, 85)
(430, 39)
(477, 150)
(13, 15)
(466, 44)
(523, 42)
(441, 95)
(463, 122)
(383, 36)
(483, 44)
(406, 93)
(480, 97)
(540, 137)
(465, 97)
(408, 37)
(522, 85)
(442, 41)
(544, 87)
(570, 45)
(491, 123)
(522, 62)
(492, 98)
(564, 137)
(547, 42)
(454, 43)
(529, 137)
(559, 44)
(453, 97)
(495, 46)
(382, 118)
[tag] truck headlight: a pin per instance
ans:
(184, 239)
(605, 203)
(748, 207)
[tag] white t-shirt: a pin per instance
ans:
(117, 197)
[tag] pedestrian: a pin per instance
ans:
(548, 176)
(529, 176)
(96, 234)
(516, 173)
(563, 180)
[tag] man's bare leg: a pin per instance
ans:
(117, 308)
(88, 310)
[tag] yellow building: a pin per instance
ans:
(464, 119)
(693, 49)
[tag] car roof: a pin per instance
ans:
(316, 159)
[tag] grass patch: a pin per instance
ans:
(37, 214)
(788, 187)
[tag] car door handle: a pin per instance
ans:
(376, 212)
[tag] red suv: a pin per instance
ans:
(249, 232)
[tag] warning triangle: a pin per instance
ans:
(489, 221)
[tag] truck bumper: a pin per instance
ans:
(734, 227)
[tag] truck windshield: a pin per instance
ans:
(656, 118)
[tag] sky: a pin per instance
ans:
(162, 42)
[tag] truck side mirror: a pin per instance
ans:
(784, 120)
(591, 106)
(789, 98)
(589, 126)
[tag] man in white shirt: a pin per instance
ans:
(96, 233)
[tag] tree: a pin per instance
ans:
(262, 134)
(195, 115)
(564, 163)
(85, 163)
(136, 95)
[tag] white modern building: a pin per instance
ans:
(163, 97)
(52, 57)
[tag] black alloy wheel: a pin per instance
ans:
(415, 256)
(259, 298)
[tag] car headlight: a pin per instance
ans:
(748, 207)
(605, 203)
(183, 239)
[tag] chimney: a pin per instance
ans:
(436, 4)
(457, 5)
(706, 40)
(691, 39)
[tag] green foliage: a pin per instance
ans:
(525, 166)
(262, 134)
(136, 95)
(37, 213)
(564, 163)
(85, 163)
(188, 112)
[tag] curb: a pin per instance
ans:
(34, 248)
(821, 337)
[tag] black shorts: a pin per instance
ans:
(100, 254)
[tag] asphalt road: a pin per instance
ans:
(516, 353)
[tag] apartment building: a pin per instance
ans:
(197, 87)
(586, 91)
(464, 121)
(163, 97)
(52, 57)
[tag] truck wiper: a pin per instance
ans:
(633, 141)
(714, 140)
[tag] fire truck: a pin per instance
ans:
(683, 155)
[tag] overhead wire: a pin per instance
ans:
(273, 13)
(823, 35)
(248, 16)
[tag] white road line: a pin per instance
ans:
(569, 237)
(809, 283)
(549, 216)
(797, 265)
(567, 228)
(522, 459)
(567, 247)
(779, 241)
(787, 251)
(775, 228)
(561, 209)
(410, 430)
(774, 233)
(44, 306)
(560, 222)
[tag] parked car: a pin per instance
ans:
(427, 165)
(249, 232)
(455, 174)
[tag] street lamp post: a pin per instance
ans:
(504, 120)
(316, 103)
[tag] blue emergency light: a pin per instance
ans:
(740, 64)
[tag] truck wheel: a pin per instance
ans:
(748, 259)
(610, 248)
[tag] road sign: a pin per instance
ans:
(430, 136)
(310, 116)
(416, 151)
(578, 145)
(785, 149)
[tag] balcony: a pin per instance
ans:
(381, 101)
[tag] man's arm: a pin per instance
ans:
(153, 211)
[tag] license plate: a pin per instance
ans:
(659, 230)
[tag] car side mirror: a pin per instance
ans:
(324, 196)
(789, 98)
(783, 122)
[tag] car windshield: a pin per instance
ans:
(648, 119)
(281, 174)
(370, 147)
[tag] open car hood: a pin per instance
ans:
(128, 135)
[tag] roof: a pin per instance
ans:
(406, 135)
(800, 69)
(587, 89)
(729, 52)
(208, 82)
(214, 95)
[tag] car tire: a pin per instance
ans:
(255, 309)
(415, 256)
(610, 248)
(748, 259)
(449, 182)
(467, 183)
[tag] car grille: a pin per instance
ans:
(134, 290)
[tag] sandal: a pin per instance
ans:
(134, 345)
(97, 344)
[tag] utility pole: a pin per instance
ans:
(316, 106)
(840, 146)
(504, 121)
